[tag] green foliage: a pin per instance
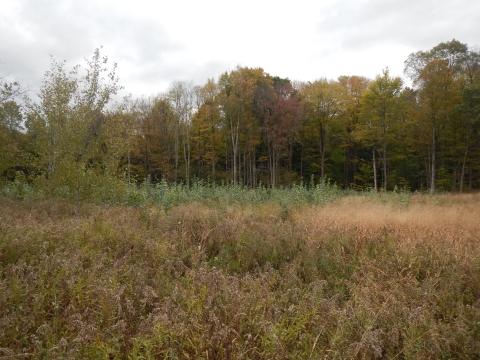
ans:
(10, 90)
(14, 156)
(18, 189)
(77, 143)
(166, 196)
(10, 116)
(248, 127)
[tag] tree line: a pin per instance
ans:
(248, 127)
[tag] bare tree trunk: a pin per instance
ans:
(434, 162)
(454, 175)
(128, 169)
(470, 179)
(176, 148)
(463, 167)
(270, 162)
(384, 167)
(234, 137)
(375, 172)
(78, 195)
(274, 167)
(428, 166)
(239, 168)
(302, 152)
(277, 166)
(254, 169)
(245, 168)
(322, 153)
(213, 153)
(226, 156)
(186, 151)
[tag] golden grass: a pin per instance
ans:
(454, 222)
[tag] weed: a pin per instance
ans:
(197, 272)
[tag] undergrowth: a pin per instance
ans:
(267, 278)
(167, 195)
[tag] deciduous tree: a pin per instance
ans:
(75, 139)
(236, 100)
(324, 101)
(381, 113)
(353, 86)
(438, 95)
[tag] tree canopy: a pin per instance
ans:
(250, 127)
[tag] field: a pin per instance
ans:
(366, 276)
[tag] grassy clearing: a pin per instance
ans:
(384, 276)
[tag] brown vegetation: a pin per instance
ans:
(356, 278)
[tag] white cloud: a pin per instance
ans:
(155, 43)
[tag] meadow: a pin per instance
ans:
(230, 273)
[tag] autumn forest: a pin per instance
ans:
(249, 127)
(252, 217)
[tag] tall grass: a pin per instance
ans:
(209, 278)
(166, 196)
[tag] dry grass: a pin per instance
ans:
(454, 218)
(356, 278)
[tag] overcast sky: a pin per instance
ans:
(157, 42)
